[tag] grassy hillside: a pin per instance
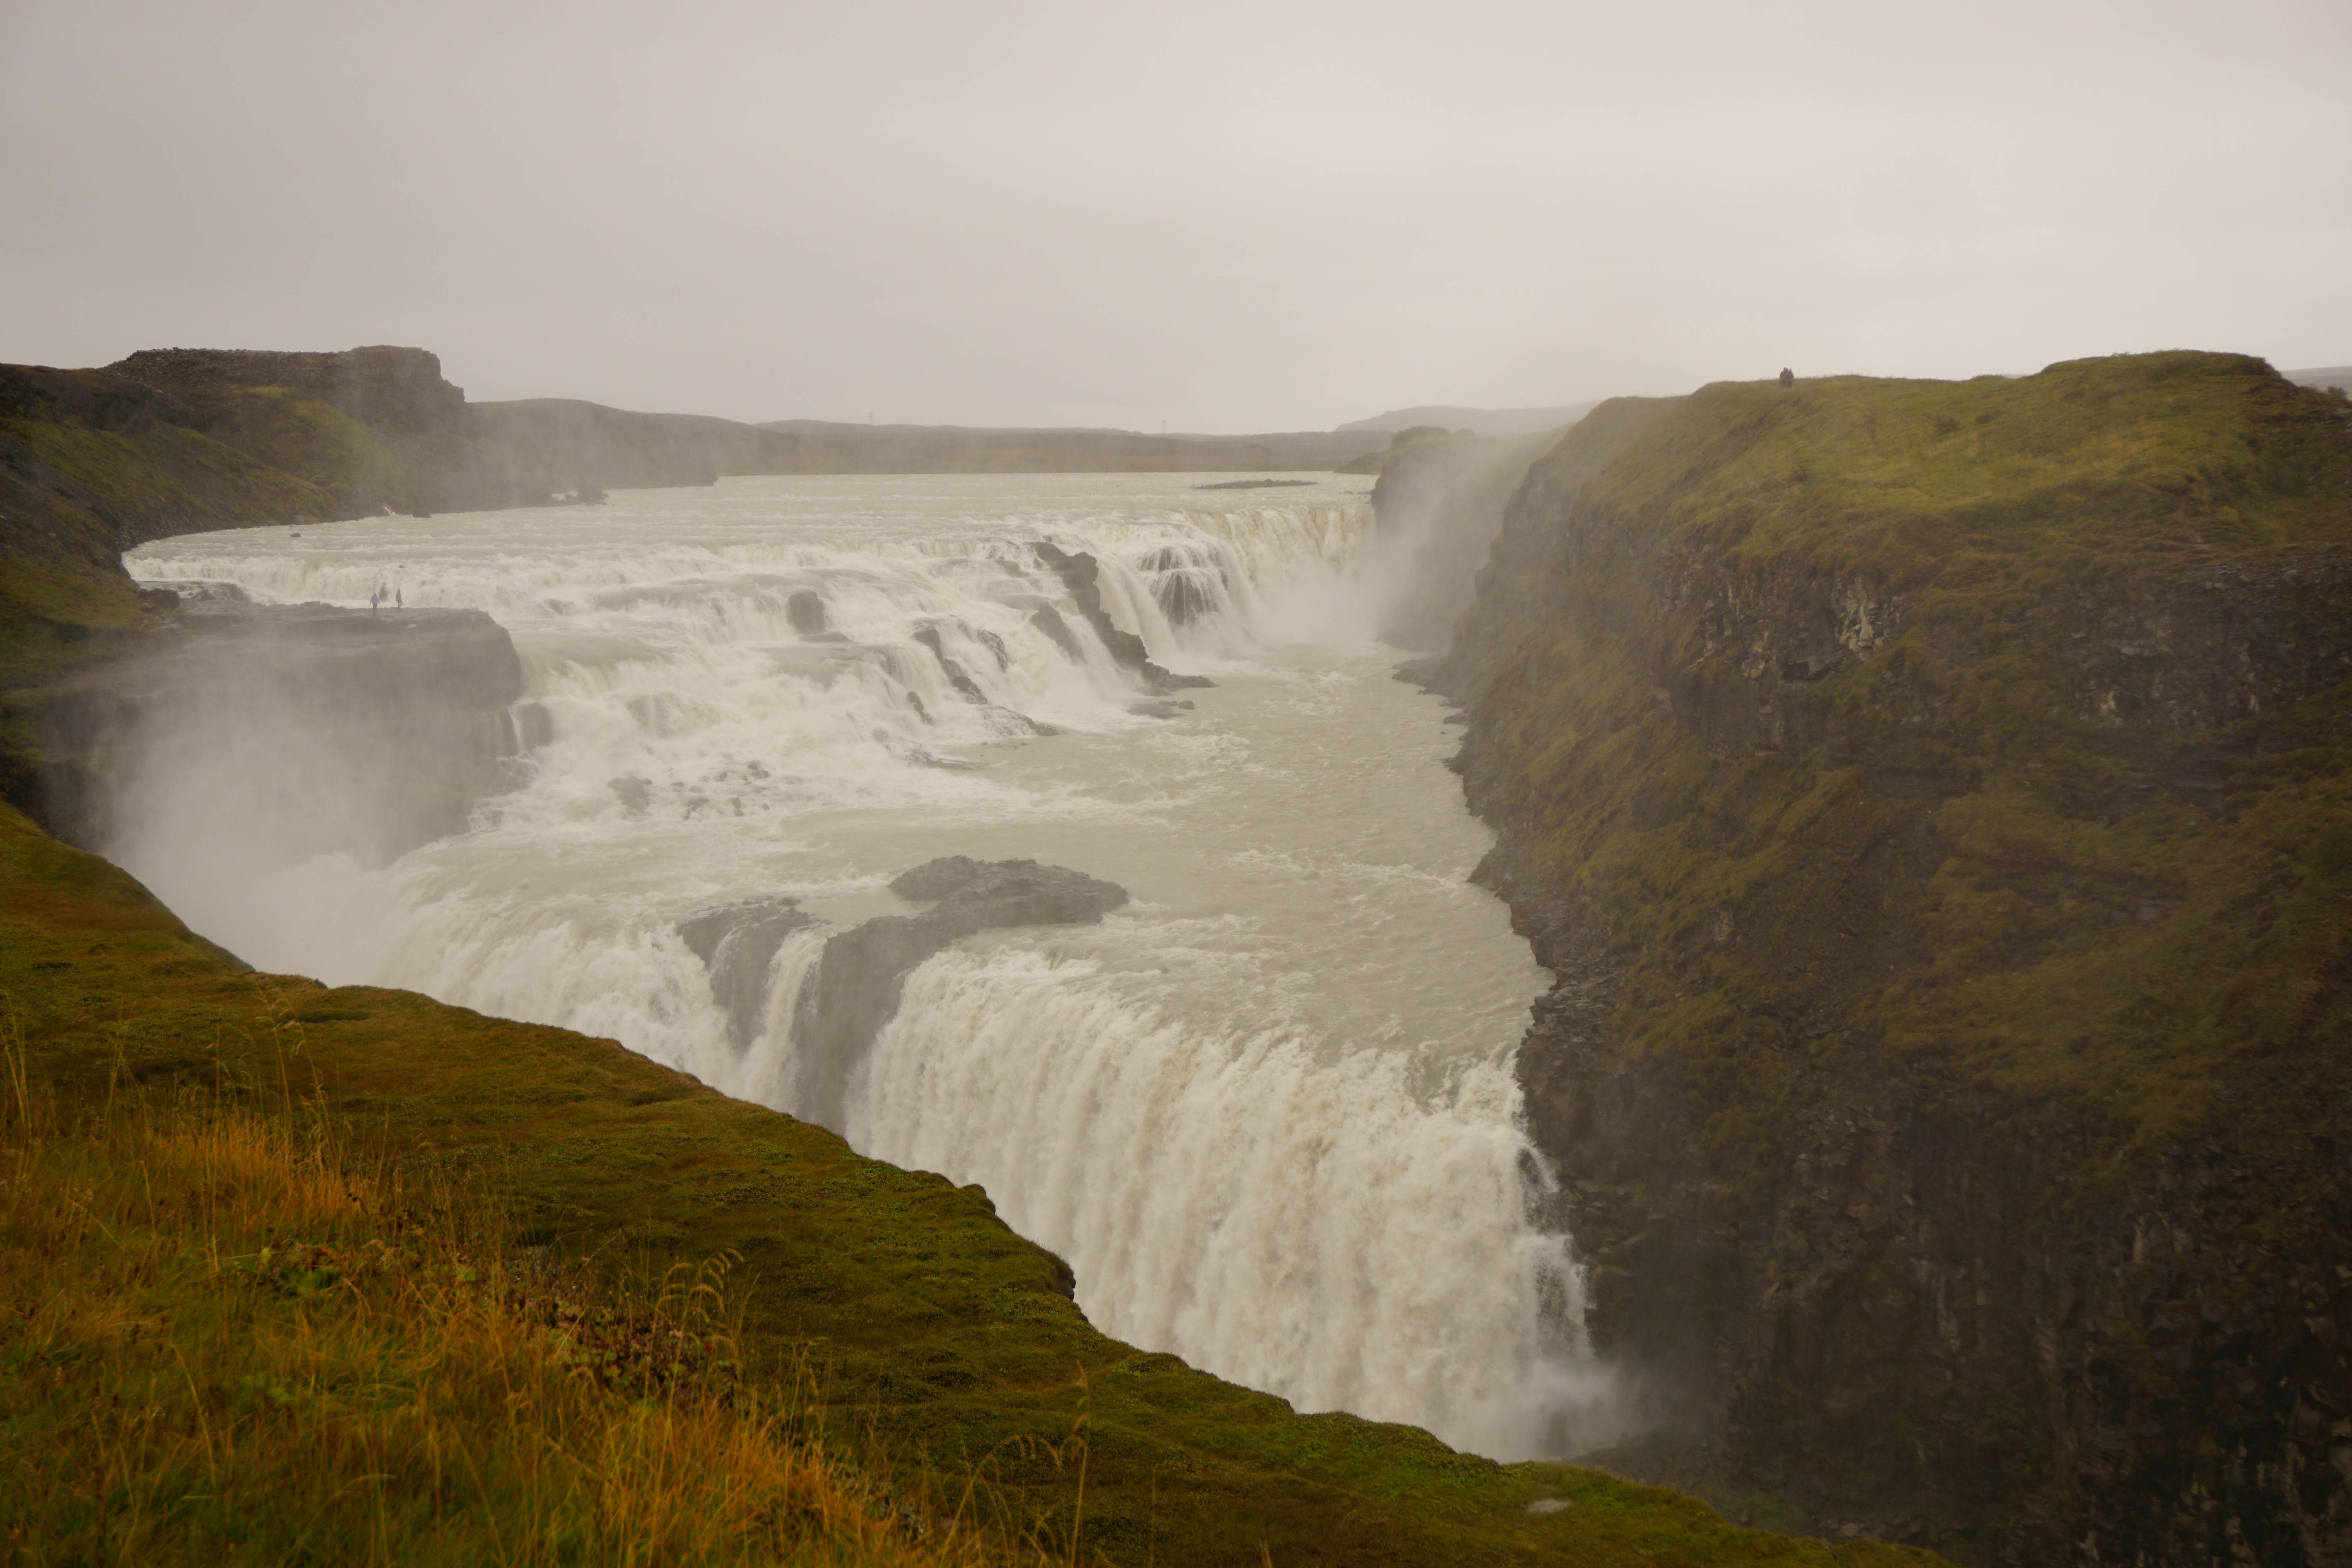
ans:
(176, 440)
(361, 430)
(145, 460)
(1940, 798)
(886, 1316)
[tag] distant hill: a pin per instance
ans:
(558, 443)
(846, 448)
(171, 440)
(174, 440)
(1479, 421)
(1527, 421)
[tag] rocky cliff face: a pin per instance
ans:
(288, 731)
(1439, 502)
(390, 388)
(1936, 802)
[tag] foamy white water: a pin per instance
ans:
(1266, 1110)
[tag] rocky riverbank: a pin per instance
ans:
(1936, 803)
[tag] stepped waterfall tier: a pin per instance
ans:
(1263, 1107)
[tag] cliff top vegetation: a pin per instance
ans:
(1831, 607)
(2163, 456)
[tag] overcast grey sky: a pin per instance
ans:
(1229, 217)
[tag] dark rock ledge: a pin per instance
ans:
(859, 978)
(1081, 575)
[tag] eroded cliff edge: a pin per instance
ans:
(1936, 803)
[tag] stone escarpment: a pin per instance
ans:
(1936, 804)
(379, 427)
(317, 729)
(176, 440)
(1439, 501)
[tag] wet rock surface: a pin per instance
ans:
(1049, 621)
(966, 687)
(805, 610)
(983, 893)
(738, 944)
(971, 691)
(384, 728)
(1079, 572)
(862, 972)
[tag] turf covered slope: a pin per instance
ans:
(179, 441)
(923, 1318)
(1936, 801)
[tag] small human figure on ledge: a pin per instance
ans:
(1788, 376)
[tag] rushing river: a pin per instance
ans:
(1266, 1110)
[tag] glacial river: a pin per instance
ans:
(1266, 1110)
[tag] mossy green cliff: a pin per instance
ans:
(1936, 800)
(174, 440)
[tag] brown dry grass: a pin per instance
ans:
(228, 1334)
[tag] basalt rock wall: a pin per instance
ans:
(1933, 801)
(1439, 502)
(291, 731)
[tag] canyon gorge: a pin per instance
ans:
(1858, 1034)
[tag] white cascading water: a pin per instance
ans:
(1266, 1110)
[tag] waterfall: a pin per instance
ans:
(1266, 1110)
(1298, 1223)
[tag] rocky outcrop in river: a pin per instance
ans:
(1080, 572)
(1932, 801)
(858, 981)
